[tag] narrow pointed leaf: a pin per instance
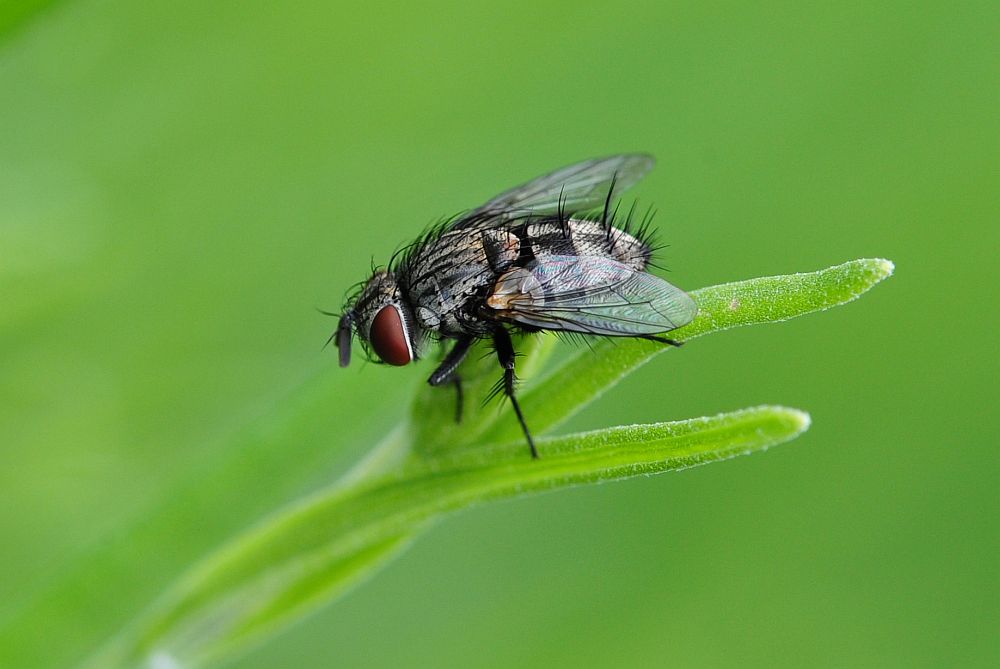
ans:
(310, 554)
(587, 374)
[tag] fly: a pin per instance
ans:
(551, 254)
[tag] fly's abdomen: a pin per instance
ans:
(579, 237)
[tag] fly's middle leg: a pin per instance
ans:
(506, 355)
(447, 372)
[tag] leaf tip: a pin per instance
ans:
(885, 268)
(864, 274)
(789, 422)
(800, 420)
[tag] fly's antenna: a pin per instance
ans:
(334, 335)
(343, 337)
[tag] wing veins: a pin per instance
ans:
(619, 300)
(579, 187)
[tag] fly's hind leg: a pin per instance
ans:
(662, 340)
(447, 371)
(506, 355)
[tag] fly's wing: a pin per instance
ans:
(591, 295)
(580, 187)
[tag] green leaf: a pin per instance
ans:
(308, 554)
(314, 551)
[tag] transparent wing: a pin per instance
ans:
(575, 188)
(592, 295)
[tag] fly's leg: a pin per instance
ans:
(447, 371)
(506, 355)
(662, 340)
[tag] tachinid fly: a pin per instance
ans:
(552, 254)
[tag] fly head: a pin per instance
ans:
(383, 320)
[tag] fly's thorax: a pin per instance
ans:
(447, 278)
(385, 321)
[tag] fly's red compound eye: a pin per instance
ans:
(389, 338)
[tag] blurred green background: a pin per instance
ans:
(182, 184)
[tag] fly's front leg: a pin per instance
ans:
(506, 355)
(447, 371)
